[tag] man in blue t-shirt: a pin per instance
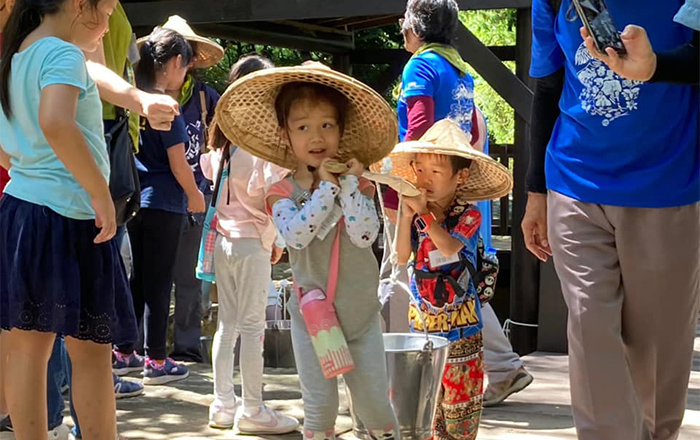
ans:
(619, 211)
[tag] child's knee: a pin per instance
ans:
(88, 352)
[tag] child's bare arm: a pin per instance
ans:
(446, 243)
(4, 159)
(361, 221)
(298, 227)
(403, 242)
(57, 109)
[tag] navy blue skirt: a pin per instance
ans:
(53, 278)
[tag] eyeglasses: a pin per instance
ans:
(402, 22)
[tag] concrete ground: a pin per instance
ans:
(542, 411)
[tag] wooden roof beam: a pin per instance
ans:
(150, 13)
(277, 35)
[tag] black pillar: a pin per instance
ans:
(524, 298)
(341, 63)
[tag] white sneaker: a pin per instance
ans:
(266, 421)
(62, 432)
(221, 416)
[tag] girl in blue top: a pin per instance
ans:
(168, 192)
(60, 270)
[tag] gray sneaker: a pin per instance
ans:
(498, 392)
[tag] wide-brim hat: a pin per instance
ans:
(488, 179)
(247, 117)
(208, 53)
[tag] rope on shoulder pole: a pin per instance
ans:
(394, 256)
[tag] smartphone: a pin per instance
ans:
(597, 19)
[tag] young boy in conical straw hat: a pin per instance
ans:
(440, 229)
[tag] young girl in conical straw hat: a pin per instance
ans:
(303, 118)
(440, 229)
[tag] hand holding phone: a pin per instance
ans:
(599, 23)
(638, 64)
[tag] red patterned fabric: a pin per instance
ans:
(460, 401)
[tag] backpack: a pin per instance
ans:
(123, 176)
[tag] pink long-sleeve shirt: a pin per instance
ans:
(243, 215)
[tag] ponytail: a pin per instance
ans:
(161, 46)
(145, 72)
(244, 66)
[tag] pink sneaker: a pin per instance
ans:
(222, 416)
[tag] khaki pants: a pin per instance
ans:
(631, 281)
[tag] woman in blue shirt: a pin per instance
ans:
(168, 193)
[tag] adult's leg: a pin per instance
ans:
(27, 357)
(54, 381)
(124, 244)
(603, 398)
(188, 295)
(660, 264)
(93, 389)
(138, 240)
(500, 361)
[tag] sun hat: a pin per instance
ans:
(208, 53)
(488, 179)
(247, 117)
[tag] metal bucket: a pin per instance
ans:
(415, 367)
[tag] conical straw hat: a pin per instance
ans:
(208, 53)
(247, 117)
(488, 179)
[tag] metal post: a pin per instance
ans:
(524, 298)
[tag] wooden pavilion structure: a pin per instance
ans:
(330, 26)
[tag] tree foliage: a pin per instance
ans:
(493, 28)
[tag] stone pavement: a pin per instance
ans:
(542, 411)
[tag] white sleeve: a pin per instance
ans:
(361, 221)
(298, 227)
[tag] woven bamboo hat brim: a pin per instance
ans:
(208, 52)
(488, 179)
(246, 115)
